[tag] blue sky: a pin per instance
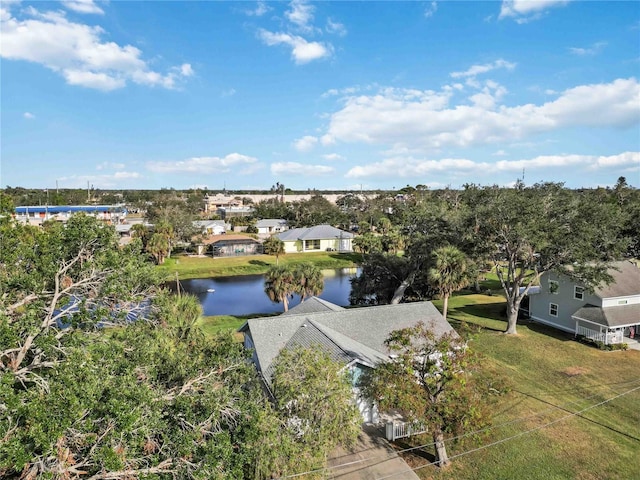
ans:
(326, 95)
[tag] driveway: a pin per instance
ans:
(371, 459)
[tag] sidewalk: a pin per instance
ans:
(373, 459)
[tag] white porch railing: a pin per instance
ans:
(594, 335)
(395, 430)
(597, 336)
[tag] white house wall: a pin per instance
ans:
(618, 301)
(332, 243)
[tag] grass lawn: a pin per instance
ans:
(550, 376)
(204, 267)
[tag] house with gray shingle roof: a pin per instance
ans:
(353, 337)
(608, 314)
(316, 239)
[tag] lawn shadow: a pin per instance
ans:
(418, 452)
(489, 311)
(547, 330)
(259, 262)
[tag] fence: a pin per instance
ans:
(597, 336)
(396, 430)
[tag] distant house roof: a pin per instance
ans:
(356, 334)
(626, 281)
(319, 232)
(618, 316)
(271, 222)
(228, 239)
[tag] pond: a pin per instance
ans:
(244, 294)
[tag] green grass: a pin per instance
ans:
(205, 267)
(218, 323)
(550, 376)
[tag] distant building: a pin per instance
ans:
(211, 227)
(316, 239)
(229, 212)
(35, 215)
(213, 202)
(271, 225)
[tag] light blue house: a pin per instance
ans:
(353, 337)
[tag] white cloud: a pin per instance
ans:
(526, 10)
(203, 165)
(114, 180)
(407, 167)
(28, 115)
(426, 119)
(78, 53)
(333, 92)
(300, 14)
(431, 10)
(333, 157)
(82, 6)
(592, 50)
(260, 10)
(295, 168)
(484, 68)
(336, 28)
(305, 143)
(302, 50)
(228, 93)
(185, 70)
(110, 166)
(626, 159)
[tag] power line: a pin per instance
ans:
(540, 427)
(491, 427)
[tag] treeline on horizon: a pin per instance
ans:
(139, 197)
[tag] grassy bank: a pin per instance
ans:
(205, 267)
(550, 377)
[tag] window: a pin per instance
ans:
(553, 287)
(553, 309)
(578, 293)
(312, 244)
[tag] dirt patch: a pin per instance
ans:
(574, 371)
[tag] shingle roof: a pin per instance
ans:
(359, 333)
(319, 232)
(308, 335)
(313, 305)
(626, 281)
(617, 316)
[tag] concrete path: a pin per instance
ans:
(371, 459)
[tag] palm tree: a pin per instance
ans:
(158, 246)
(279, 284)
(309, 281)
(449, 273)
(273, 246)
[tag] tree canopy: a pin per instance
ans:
(428, 380)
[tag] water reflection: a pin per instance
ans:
(244, 295)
